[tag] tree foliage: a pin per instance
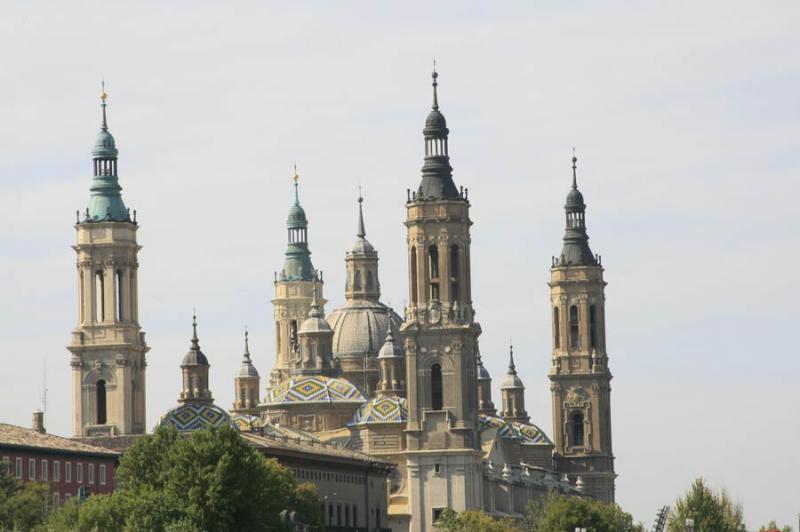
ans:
(473, 521)
(22, 505)
(560, 513)
(711, 512)
(209, 480)
(773, 525)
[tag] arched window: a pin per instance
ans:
(101, 402)
(118, 279)
(357, 281)
(100, 299)
(293, 333)
(414, 276)
(436, 387)
(370, 281)
(574, 330)
(454, 273)
(556, 329)
(577, 429)
(433, 272)
(592, 326)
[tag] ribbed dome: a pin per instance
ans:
(297, 217)
(483, 374)
(104, 146)
(314, 324)
(362, 247)
(511, 380)
(247, 369)
(360, 326)
(435, 121)
(390, 349)
(575, 198)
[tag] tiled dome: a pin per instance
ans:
(381, 410)
(196, 416)
(315, 389)
(526, 433)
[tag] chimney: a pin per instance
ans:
(38, 422)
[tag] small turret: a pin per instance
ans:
(315, 338)
(246, 383)
(576, 251)
(485, 404)
(297, 266)
(392, 363)
(195, 372)
(513, 394)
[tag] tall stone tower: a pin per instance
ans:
(108, 347)
(294, 287)
(440, 337)
(246, 384)
(580, 378)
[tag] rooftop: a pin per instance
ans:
(15, 436)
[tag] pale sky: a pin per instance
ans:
(685, 118)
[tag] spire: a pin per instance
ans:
(195, 371)
(246, 345)
(195, 340)
(512, 369)
(511, 379)
(435, 75)
(247, 369)
(437, 174)
(361, 231)
(105, 202)
(576, 250)
(297, 265)
(103, 97)
(315, 310)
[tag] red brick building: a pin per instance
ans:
(64, 464)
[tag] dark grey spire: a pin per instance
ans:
(437, 174)
(195, 356)
(576, 251)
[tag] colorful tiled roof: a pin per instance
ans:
(12, 435)
(382, 410)
(315, 389)
(246, 422)
(195, 416)
(524, 432)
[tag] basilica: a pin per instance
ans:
(407, 392)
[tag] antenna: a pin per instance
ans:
(44, 387)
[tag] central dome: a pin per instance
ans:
(360, 327)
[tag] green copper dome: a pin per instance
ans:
(105, 202)
(297, 266)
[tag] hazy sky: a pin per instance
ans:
(685, 117)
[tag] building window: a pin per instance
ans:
(19, 468)
(437, 513)
(454, 273)
(56, 500)
(330, 514)
(339, 521)
(592, 326)
(79, 473)
(293, 333)
(101, 402)
(31, 469)
(67, 497)
(44, 472)
(118, 279)
(357, 281)
(91, 473)
(433, 272)
(370, 280)
(355, 516)
(556, 329)
(577, 429)
(436, 387)
(102, 474)
(99, 293)
(56, 471)
(68, 472)
(574, 330)
(414, 276)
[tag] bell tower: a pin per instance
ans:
(108, 347)
(440, 338)
(580, 378)
(294, 288)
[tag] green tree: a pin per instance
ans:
(473, 521)
(209, 480)
(711, 512)
(560, 513)
(22, 505)
(773, 525)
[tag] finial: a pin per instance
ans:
(194, 328)
(103, 97)
(246, 344)
(511, 367)
(435, 75)
(315, 312)
(295, 177)
(574, 169)
(361, 231)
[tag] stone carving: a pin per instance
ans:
(576, 396)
